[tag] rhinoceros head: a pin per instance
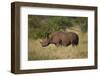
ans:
(45, 42)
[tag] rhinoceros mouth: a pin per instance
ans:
(45, 45)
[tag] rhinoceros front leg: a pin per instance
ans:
(57, 44)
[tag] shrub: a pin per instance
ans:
(42, 26)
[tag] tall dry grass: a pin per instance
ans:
(37, 52)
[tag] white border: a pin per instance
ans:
(25, 64)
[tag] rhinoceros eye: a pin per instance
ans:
(41, 42)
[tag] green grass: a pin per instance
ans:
(37, 52)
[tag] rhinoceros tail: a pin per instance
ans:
(75, 42)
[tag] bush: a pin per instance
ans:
(42, 26)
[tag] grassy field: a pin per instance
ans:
(37, 52)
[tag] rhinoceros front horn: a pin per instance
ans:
(40, 41)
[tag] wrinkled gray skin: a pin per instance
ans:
(61, 38)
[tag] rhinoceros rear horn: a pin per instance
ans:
(40, 41)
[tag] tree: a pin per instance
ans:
(41, 26)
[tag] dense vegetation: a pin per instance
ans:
(42, 26)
